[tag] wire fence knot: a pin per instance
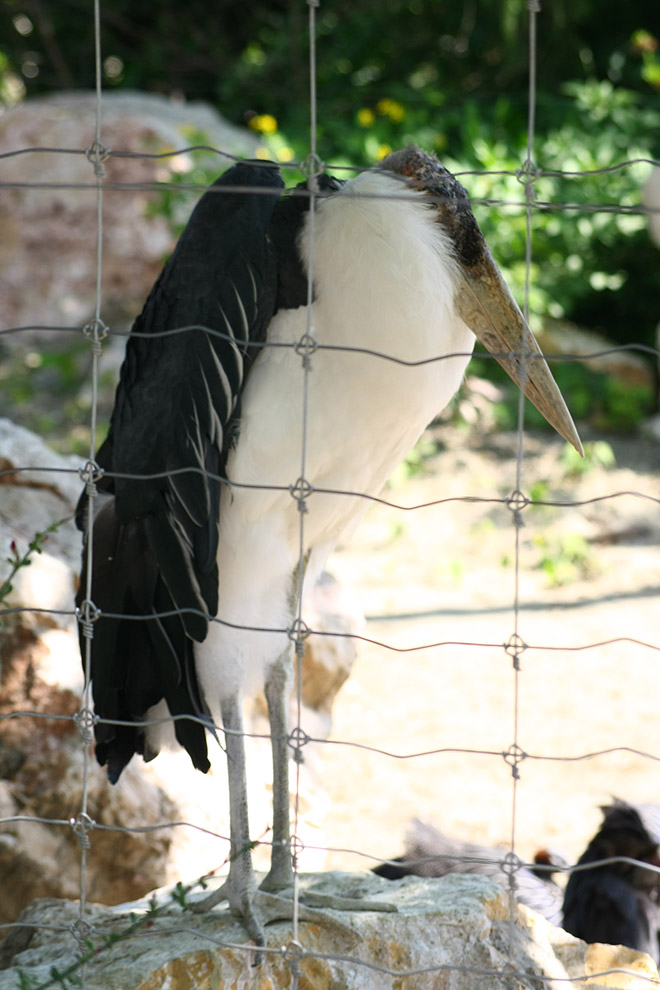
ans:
(87, 613)
(298, 632)
(304, 348)
(511, 864)
(97, 154)
(82, 931)
(90, 474)
(85, 720)
(516, 502)
(514, 648)
(297, 739)
(310, 168)
(81, 826)
(513, 757)
(528, 173)
(292, 953)
(301, 492)
(96, 330)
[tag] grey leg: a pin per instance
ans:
(240, 887)
(277, 691)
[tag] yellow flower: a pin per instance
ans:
(365, 117)
(265, 123)
(285, 154)
(262, 153)
(392, 109)
(383, 150)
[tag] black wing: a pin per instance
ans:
(176, 409)
(617, 902)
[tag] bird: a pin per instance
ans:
(611, 902)
(291, 352)
(617, 902)
(431, 853)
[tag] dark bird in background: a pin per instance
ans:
(197, 538)
(431, 853)
(616, 903)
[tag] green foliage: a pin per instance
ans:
(580, 252)
(598, 454)
(415, 464)
(18, 560)
(564, 557)
(600, 400)
(46, 391)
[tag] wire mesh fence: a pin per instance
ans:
(526, 646)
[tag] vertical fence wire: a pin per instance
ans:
(516, 640)
(95, 332)
(305, 350)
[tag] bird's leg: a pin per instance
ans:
(240, 886)
(280, 875)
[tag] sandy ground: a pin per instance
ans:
(436, 695)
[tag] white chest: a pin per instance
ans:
(384, 322)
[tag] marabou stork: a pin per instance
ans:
(208, 416)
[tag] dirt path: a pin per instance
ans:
(445, 575)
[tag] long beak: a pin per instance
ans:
(482, 297)
(486, 306)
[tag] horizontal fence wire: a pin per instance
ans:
(81, 824)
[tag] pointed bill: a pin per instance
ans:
(486, 306)
(482, 298)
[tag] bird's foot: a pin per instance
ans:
(263, 908)
(276, 903)
(243, 907)
(215, 897)
(312, 906)
(333, 902)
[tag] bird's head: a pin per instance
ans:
(482, 298)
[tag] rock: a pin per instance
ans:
(39, 490)
(455, 932)
(600, 958)
(48, 235)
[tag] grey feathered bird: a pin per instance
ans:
(612, 902)
(431, 853)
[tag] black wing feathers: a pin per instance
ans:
(176, 409)
(287, 222)
(617, 902)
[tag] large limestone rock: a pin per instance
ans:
(48, 235)
(454, 933)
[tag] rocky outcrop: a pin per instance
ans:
(49, 217)
(455, 932)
